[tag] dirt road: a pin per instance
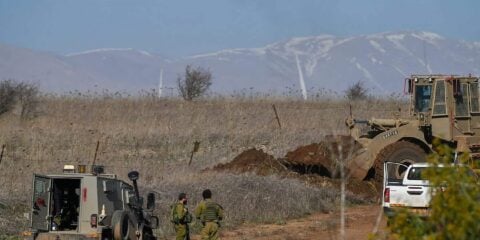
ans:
(360, 222)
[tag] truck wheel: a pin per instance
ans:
(147, 234)
(399, 152)
(120, 225)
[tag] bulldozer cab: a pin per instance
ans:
(449, 105)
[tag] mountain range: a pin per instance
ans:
(324, 63)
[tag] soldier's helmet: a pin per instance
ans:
(182, 196)
(206, 194)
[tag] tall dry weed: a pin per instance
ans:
(156, 137)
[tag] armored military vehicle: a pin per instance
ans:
(96, 205)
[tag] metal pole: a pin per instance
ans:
(276, 116)
(1, 154)
(96, 151)
(196, 146)
(342, 192)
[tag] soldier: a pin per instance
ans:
(181, 218)
(210, 214)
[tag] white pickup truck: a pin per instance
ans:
(412, 192)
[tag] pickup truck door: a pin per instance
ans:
(417, 188)
(42, 186)
(388, 177)
(404, 192)
(391, 184)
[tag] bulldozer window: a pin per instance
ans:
(423, 95)
(474, 104)
(439, 106)
(461, 102)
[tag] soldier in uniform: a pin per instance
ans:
(181, 218)
(210, 214)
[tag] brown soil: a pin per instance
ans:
(316, 158)
(324, 154)
(315, 154)
(253, 160)
(312, 164)
(360, 223)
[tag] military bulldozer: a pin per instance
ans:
(95, 205)
(442, 107)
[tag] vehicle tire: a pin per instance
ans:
(399, 152)
(147, 234)
(120, 225)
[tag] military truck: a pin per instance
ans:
(95, 205)
(442, 107)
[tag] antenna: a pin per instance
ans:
(300, 78)
(160, 84)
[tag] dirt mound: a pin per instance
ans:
(311, 164)
(321, 157)
(317, 158)
(253, 160)
(313, 158)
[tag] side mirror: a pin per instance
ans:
(154, 222)
(133, 175)
(151, 201)
(408, 86)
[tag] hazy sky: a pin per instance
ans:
(180, 27)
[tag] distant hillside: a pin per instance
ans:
(326, 62)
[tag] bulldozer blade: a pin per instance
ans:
(358, 166)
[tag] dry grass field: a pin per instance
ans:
(156, 137)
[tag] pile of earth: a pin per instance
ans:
(313, 164)
(321, 158)
(253, 160)
(317, 158)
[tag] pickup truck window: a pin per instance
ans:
(416, 173)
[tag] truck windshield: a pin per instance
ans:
(416, 173)
(423, 95)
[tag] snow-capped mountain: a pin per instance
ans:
(381, 60)
(327, 62)
(121, 69)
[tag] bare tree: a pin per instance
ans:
(21, 94)
(357, 91)
(8, 95)
(28, 99)
(195, 82)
